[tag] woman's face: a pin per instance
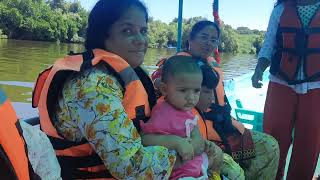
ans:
(204, 42)
(128, 37)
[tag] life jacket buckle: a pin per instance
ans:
(140, 113)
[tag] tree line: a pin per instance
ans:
(60, 20)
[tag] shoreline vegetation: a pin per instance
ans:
(65, 21)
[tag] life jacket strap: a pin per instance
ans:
(62, 144)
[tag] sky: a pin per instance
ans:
(249, 13)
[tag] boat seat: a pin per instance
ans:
(33, 121)
(245, 116)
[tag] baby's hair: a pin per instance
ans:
(179, 65)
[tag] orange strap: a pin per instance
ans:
(11, 140)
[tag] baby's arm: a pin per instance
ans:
(179, 144)
(197, 142)
(214, 152)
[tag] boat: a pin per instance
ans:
(247, 102)
(247, 105)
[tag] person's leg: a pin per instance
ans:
(279, 114)
(306, 143)
(231, 169)
(265, 164)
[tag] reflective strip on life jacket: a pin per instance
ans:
(11, 141)
(294, 44)
(83, 159)
(201, 124)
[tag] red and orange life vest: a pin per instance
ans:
(79, 160)
(13, 157)
(297, 46)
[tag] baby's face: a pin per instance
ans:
(183, 90)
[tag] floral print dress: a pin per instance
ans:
(91, 108)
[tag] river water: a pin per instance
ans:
(21, 62)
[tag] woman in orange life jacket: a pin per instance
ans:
(19, 156)
(204, 38)
(291, 46)
(13, 158)
(89, 103)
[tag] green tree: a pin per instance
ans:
(172, 34)
(228, 40)
(60, 20)
(244, 30)
(257, 44)
(58, 4)
(158, 34)
(43, 20)
(10, 20)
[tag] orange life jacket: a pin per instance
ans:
(13, 155)
(77, 159)
(297, 46)
(201, 124)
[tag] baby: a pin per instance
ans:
(180, 87)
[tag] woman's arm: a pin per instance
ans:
(94, 103)
(268, 47)
(179, 144)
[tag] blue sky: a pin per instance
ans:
(250, 13)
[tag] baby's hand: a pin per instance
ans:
(215, 156)
(197, 141)
(185, 150)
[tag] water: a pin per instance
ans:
(22, 61)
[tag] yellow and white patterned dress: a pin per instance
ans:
(91, 108)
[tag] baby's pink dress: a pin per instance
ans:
(167, 120)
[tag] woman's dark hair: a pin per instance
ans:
(103, 15)
(197, 27)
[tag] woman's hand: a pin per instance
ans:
(185, 150)
(262, 65)
(256, 79)
(215, 156)
(197, 142)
